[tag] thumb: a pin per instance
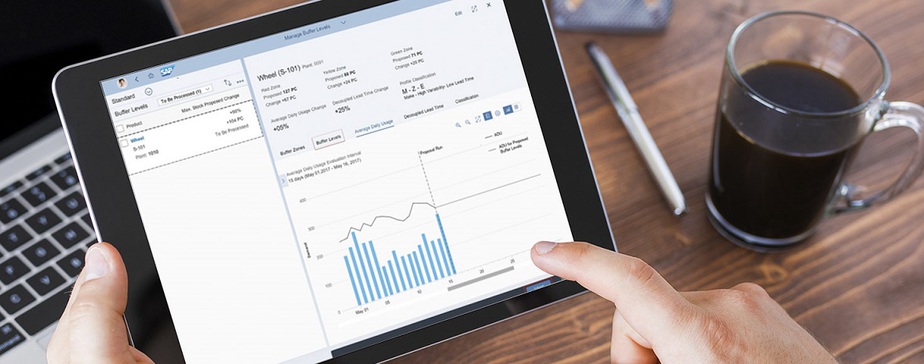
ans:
(93, 317)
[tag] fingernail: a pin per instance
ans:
(544, 247)
(97, 264)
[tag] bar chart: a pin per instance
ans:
(372, 279)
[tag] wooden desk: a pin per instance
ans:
(858, 285)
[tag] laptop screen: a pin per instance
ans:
(329, 187)
(40, 37)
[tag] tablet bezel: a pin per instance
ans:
(93, 142)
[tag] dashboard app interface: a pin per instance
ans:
(312, 192)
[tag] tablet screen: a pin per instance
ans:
(313, 192)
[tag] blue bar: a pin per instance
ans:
(363, 264)
(391, 268)
(437, 254)
(417, 268)
(394, 257)
(439, 243)
(387, 285)
(411, 278)
(429, 256)
(424, 267)
(446, 242)
(352, 281)
(375, 283)
(410, 260)
(407, 273)
(378, 267)
(356, 268)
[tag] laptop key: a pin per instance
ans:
(65, 178)
(41, 171)
(14, 237)
(10, 210)
(14, 299)
(45, 281)
(41, 252)
(9, 337)
(45, 313)
(86, 220)
(11, 269)
(12, 187)
(64, 158)
(38, 194)
(72, 204)
(43, 220)
(72, 264)
(70, 235)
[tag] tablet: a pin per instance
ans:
(340, 180)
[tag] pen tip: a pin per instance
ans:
(680, 210)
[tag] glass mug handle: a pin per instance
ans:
(897, 114)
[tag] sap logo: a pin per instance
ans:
(166, 71)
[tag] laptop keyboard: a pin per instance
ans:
(44, 232)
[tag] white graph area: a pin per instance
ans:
(491, 183)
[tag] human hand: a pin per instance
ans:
(653, 322)
(92, 329)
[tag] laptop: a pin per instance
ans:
(343, 181)
(44, 224)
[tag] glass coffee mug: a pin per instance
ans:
(800, 92)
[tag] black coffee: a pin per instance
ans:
(761, 190)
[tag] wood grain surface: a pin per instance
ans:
(857, 285)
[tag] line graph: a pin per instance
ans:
(393, 236)
(429, 204)
(428, 261)
(425, 222)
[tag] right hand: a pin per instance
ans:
(653, 322)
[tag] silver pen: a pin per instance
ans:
(628, 112)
